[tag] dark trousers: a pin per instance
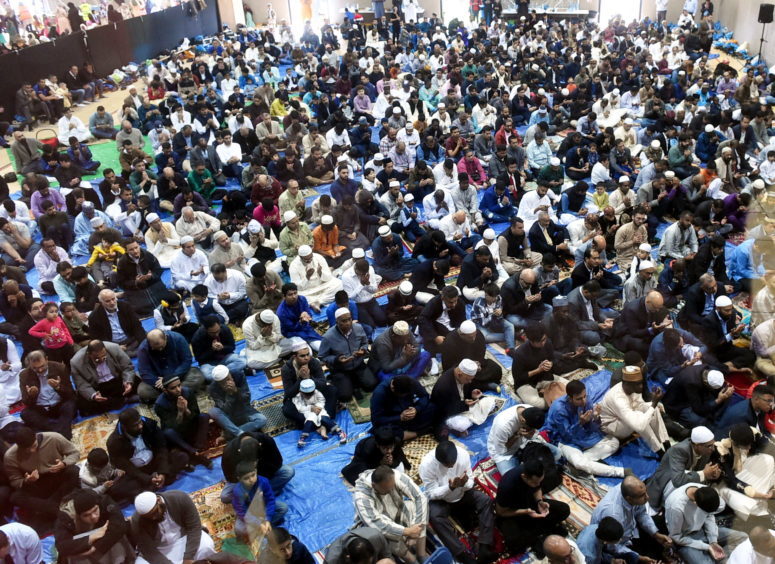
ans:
(372, 314)
(237, 311)
(473, 504)
(522, 533)
(125, 489)
(113, 390)
(42, 497)
(329, 393)
(178, 460)
(627, 343)
(192, 437)
(58, 418)
(491, 373)
(347, 381)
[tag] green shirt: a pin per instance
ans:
(197, 183)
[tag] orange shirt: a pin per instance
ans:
(326, 242)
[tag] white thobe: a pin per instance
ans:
(182, 266)
(622, 414)
(319, 288)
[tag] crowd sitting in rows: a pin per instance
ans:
(412, 139)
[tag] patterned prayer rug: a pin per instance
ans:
(360, 410)
(582, 498)
(272, 409)
(417, 448)
(274, 376)
(216, 516)
(613, 358)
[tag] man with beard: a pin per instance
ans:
(88, 524)
(138, 447)
(166, 528)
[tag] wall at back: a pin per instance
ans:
(108, 47)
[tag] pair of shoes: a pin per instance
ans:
(302, 440)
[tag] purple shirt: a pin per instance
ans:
(37, 199)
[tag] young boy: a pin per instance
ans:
(487, 314)
(98, 474)
(312, 405)
(767, 170)
(254, 513)
(411, 217)
(643, 253)
(284, 548)
(204, 305)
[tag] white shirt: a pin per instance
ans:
(228, 152)
(234, 285)
(504, 426)
(412, 141)
(179, 120)
(745, 554)
(435, 476)
(298, 272)
(530, 201)
(600, 173)
(357, 292)
(25, 547)
(443, 180)
(22, 212)
(429, 206)
(450, 228)
(142, 455)
(332, 138)
(182, 266)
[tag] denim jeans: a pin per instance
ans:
(727, 538)
(506, 335)
(255, 421)
(234, 362)
(539, 312)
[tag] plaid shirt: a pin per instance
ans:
(482, 313)
(371, 508)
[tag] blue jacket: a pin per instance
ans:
(176, 358)
(331, 310)
(563, 423)
(663, 364)
(386, 407)
(242, 499)
(290, 325)
(492, 203)
(741, 264)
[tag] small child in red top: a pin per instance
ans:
(268, 215)
(57, 341)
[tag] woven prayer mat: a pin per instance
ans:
(360, 409)
(237, 332)
(93, 432)
(419, 447)
(274, 375)
(613, 358)
(216, 516)
(272, 409)
(581, 497)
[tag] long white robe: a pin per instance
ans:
(320, 288)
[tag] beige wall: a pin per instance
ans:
(741, 16)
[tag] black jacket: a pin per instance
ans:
(635, 321)
(702, 263)
(687, 389)
(121, 450)
(368, 456)
(65, 529)
(445, 395)
(202, 345)
(514, 298)
(99, 325)
(291, 382)
(471, 273)
(455, 349)
(127, 271)
(423, 274)
(694, 303)
(538, 243)
(268, 462)
(429, 329)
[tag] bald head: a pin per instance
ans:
(654, 301)
(557, 548)
(459, 217)
(762, 540)
(599, 242)
(528, 276)
(156, 339)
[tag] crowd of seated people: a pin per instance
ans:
(550, 249)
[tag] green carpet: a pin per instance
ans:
(105, 152)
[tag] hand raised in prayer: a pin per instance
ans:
(31, 477)
(32, 391)
(586, 417)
